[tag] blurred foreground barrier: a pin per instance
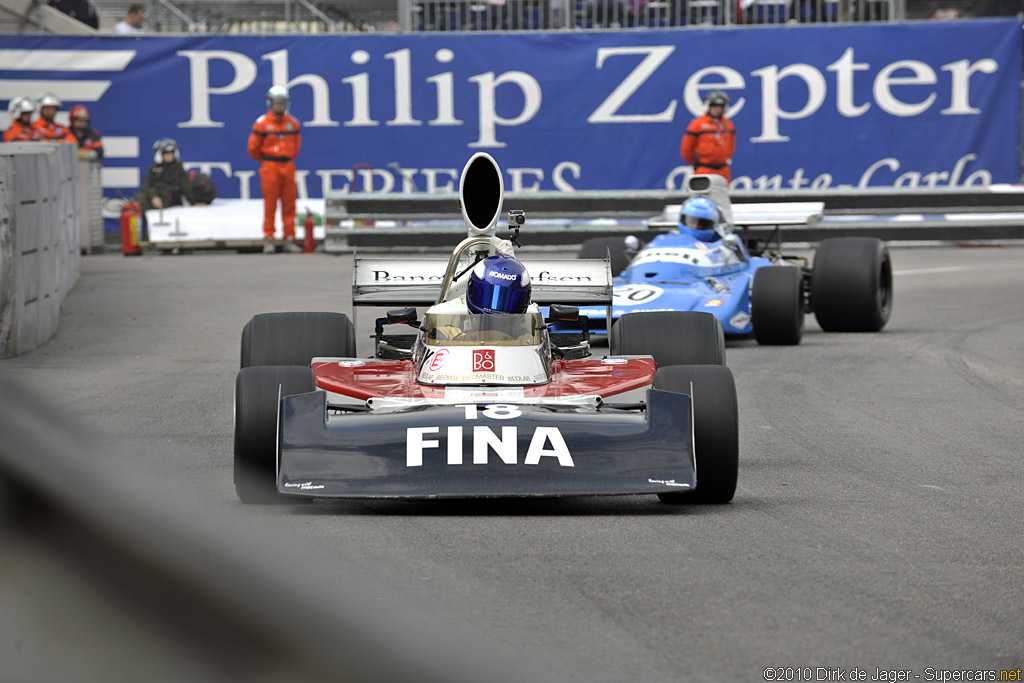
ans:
(40, 240)
(299, 621)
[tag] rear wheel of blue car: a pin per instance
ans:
(672, 337)
(602, 247)
(715, 429)
(257, 390)
(851, 286)
(296, 338)
(777, 305)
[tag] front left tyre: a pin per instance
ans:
(257, 393)
(672, 337)
(851, 284)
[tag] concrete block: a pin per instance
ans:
(40, 240)
(48, 279)
(49, 317)
(26, 176)
(48, 213)
(8, 261)
(28, 328)
(28, 278)
(26, 227)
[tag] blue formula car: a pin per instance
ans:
(703, 265)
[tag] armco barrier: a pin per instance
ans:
(40, 240)
(945, 214)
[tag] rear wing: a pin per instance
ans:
(417, 282)
(803, 214)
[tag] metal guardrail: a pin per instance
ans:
(333, 16)
(943, 214)
(643, 203)
(252, 16)
(513, 15)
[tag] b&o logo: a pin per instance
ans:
(483, 360)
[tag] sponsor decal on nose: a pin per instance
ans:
(483, 360)
(439, 358)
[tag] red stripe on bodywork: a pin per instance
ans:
(588, 377)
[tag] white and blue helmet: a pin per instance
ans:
(498, 284)
(700, 217)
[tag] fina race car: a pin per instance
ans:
(478, 397)
(748, 286)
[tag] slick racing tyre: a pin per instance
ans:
(851, 285)
(672, 337)
(256, 408)
(777, 305)
(296, 338)
(601, 247)
(715, 429)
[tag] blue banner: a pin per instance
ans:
(923, 104)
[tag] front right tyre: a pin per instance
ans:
(715, 429)
(603, 247)
(296, 338)
(777, 305)
(257, 393)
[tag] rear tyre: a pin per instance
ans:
(715, 429)
(256, 410)
(777, 305)
(296, 338)
(672, 337)
(601, 247)
(851, 286)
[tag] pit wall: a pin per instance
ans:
(41, 240)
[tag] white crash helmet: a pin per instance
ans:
(20, 105)
(277, 93)
(48, 99)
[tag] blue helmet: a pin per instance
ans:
(699, 217)
(498, 284)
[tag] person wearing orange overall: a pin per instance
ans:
(275, 141)
(710, 140)
(21, 130)
(50, 130)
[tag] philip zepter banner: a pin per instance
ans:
(917, 104)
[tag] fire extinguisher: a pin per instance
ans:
(131, 218)
(308, 246)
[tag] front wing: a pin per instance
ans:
(485, 450)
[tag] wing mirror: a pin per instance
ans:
(395, 317)
(402, 315)
(560, 313)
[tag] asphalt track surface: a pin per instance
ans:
(877, 524)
